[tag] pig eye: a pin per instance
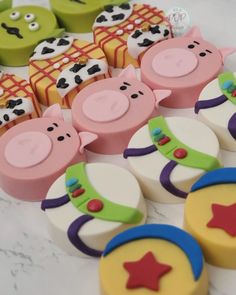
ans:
(50, 129)
(60, 138)
(202, 54)
(191, 46)
(134, 95)
(123, 87)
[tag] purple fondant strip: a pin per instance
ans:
(54, 203)
(232, 126)
(166, 182)
(73, 235)
(139, 151)
(211, 103)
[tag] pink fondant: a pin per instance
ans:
(129, 72)
(161, 94)
(194, 32)
(226, 52)
(185, 81)
(85, 139)
(44, 148)
(106, 106)
(134, 103)
(54, 111)
(28, 149)
(174, 62)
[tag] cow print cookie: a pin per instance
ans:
(17, 101)
(60, 67)
(126, 31)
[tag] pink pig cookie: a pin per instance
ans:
(35, 153)
(114, 109)
(184, 65)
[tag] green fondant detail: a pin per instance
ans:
(16, 51)
(193, 159)
(159, 136)
(74, 187)
(79, 17)
(5, 4)
(224, 77)
(111, 211)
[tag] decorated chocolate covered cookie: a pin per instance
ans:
(216, 107)
(184, 65)
(17, 101)
(210, 216)
(35, 153)
(169, 154)
(153, 259)
(78, 16)
(60, 67)
(114, 109)
(90, 204)
(21, 29)
(126, 31)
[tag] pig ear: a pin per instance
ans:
(194, 32)
(129, 73)
(85, 139)
(54, 111)
(161, 94)
(226, 51)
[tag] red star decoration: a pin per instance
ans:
(145, 272)
(224, 217)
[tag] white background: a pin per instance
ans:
(29, 261)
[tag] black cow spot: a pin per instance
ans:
(146, 42)
(136, 34)
(63, 42)
(155, 30)
(77, 67)
(50, 40)
(166, 33)
(119, 16)
(94, 69)
(0, 122)
(46, 50)
(78, 80)
(109, 8)
(19, 112)
(12, 103)
(62, 83)
(101, 19)
(125, 6)
(6, 118)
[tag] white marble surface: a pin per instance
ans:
(29, 261)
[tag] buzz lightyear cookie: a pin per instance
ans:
(17, 101)
(60, 67)
(34, 153)
(126, 31)
(114, 109)
(153, 259)
(210, 216)
(77, 16)
(21, 29)
(90, 204)
(168, 155)
(216, 107)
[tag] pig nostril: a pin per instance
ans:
(50, 129)
(123, 88)
(60, 138)
(134, 95)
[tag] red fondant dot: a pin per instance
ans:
(95, 205)
(180, 153)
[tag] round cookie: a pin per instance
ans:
(90, 204)
(216, 107)
(77, 16)
(5, 4)
(60, 67)
(35, 153)
(21, 29)
(210, 216)
(184, 65)
(126, 31)
(17, 101)
(169, 154)
(153, 259)
(114, 109)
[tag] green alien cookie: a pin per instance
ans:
(78, 16)
(5, 4)
(21, 29)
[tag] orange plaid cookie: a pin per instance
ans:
(126, 31)
(17, 102)
(61, 67)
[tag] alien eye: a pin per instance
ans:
(33, 26)
(202, 54)
(191, 46)
(15, 15)
(60, 138)
(29, 17)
